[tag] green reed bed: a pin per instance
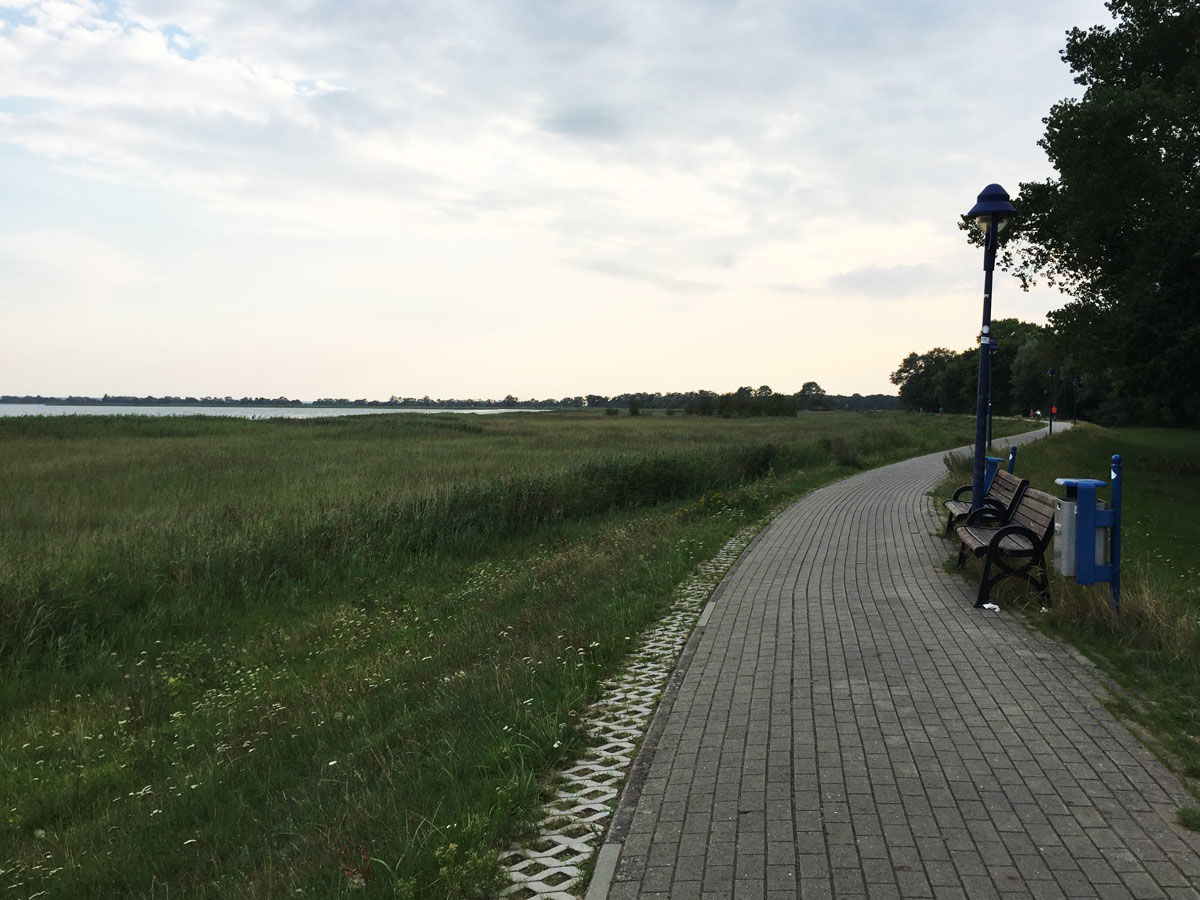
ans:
(248, 659)
(1152, 648)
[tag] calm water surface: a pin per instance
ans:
(240, 412)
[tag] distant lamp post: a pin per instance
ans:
(1074, 401)
(991, 213)
(1050, 404)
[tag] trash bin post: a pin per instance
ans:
(1115, 580)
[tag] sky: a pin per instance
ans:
(477, 198)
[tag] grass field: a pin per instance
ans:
(1152, 648)
(256, 658)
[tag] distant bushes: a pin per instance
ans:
(746, 401)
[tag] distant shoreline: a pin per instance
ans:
(703, 402)
(274, 403)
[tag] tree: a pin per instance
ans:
(956, 383)
(812, 397)
(1029, 380)
(918, 379)
(1117, 229)
(737, 404)
(705, 404)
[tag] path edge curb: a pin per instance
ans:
(605, 866)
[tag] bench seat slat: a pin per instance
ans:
(979, 539)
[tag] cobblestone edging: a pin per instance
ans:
(552, 864)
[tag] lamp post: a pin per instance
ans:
(1050, 404)
(992, 347)
(991, 213)
(1074, 401)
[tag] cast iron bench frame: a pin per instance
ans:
(1015, 549)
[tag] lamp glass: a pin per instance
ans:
(982, 222)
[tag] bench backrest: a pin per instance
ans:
(1036, 512)
(1006, 488)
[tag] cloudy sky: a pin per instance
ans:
(474, 198)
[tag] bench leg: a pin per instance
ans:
(985, 583)
(1034, 573)
(1040, 581)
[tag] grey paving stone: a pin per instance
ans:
(847, 724)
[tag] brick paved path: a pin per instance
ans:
(845, 724)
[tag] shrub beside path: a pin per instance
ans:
(844, 723)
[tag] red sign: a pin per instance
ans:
(1054, 410)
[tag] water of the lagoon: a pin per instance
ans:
(240, 412)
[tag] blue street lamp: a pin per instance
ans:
(992, 347)
(991, 213)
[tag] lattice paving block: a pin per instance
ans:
(546, 871)
(569, 834)
(591, 798)
(588, 795)
(555, 857)
(596, 774)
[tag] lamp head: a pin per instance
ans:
(992, 201)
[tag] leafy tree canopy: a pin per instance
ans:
(1119, 228)
(942, 380)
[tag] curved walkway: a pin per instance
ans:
(845, 724)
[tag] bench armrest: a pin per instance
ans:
(966, 488)
(990, 515)
(1015, 531)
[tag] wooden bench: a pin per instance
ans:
(1002, 496)
(1015, 549)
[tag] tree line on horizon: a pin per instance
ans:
(745, 401)
(941, 380)
(1115, 232)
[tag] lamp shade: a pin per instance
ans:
(993, 199)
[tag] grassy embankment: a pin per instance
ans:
(245, 659)
(1152, 648)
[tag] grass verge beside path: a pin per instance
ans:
(322, 658)
(1152, 648)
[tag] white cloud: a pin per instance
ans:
(469, 173)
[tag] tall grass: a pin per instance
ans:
(168, 520)
(234, 554)
(248, 659)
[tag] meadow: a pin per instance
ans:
(315, 657)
